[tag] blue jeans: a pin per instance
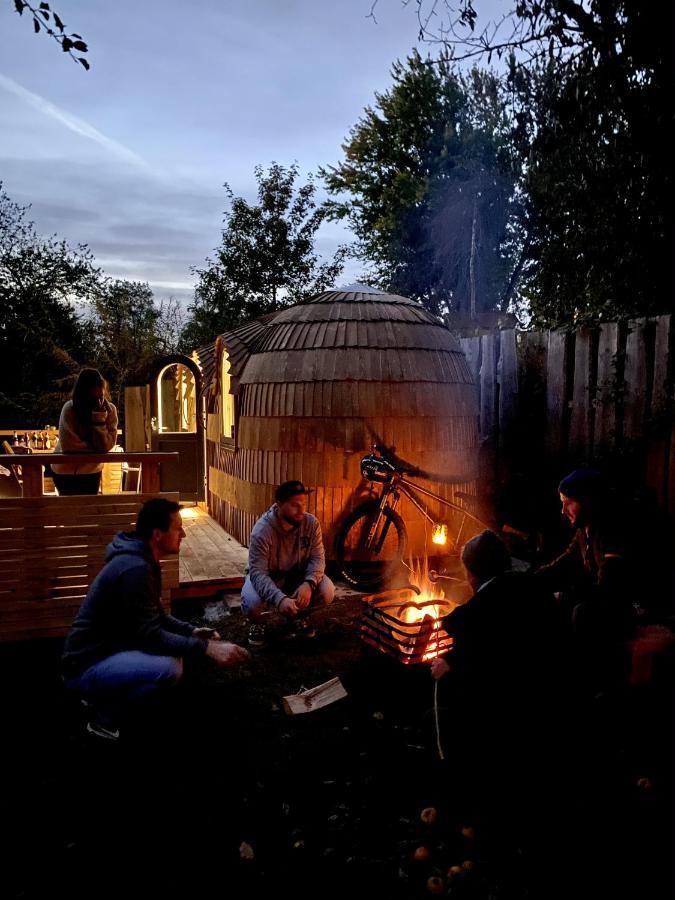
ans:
(116, 682)
(252, 605)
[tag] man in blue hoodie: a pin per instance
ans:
(286, 563)
(122, 645)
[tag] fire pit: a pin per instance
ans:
(406, 625)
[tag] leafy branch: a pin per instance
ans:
(45, 19)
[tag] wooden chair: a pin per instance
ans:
(10, 484)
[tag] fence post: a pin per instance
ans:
(556, 394)
(606, 394)
(581, 418)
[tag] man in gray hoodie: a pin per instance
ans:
(122, 646)
(286, 562)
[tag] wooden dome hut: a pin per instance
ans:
(306, 391)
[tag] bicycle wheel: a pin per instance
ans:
(368, 569)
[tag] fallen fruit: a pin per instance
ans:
(420, 854)
(246, 851)
(435, 885)
(455, 871)
(469, 833)
(429, 815)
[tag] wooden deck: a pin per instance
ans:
(210, 560)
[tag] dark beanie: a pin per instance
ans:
(583, 485)
(486, 555)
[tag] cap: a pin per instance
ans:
(290, 489)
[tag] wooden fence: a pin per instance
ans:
(550, 400)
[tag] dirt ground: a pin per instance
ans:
(220, 794)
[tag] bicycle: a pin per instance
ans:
(371, 543)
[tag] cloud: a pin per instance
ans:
(74, 123)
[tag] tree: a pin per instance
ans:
(43, 341)
(426, 185)
(131, 331)
(45, 19)
(592, 105)
(266, 259)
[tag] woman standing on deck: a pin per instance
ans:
(88, 424)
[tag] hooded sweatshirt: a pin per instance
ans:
(122, 611)
(277, 555)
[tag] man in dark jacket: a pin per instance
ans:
(502, 683)
(122, 645)
(507, 636)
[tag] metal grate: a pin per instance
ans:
(406, 626)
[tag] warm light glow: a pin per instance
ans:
(412, 615)
(189, 512)
(439, 535)
(430, 602)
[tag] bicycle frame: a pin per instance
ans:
(393, 487)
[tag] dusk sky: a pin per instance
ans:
(131, 156)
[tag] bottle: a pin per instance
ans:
(48, 442)
(34, 441)
(26, 440)
(15, 440)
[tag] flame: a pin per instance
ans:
(412, 615)
(439, 534)
(430, 602)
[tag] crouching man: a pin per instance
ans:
(286, 563)
(122, 646)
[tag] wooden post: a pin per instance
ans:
(488, 386)
(507, 372)
(580, 421)
(556, 397)
(635, 381)
(150, 480)
(33, 481)
(604, 437)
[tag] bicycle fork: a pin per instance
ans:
(376, 536)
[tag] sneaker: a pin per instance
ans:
(257, 636)
(103, 731)
(303, 628)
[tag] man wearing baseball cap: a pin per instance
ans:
(286, 563)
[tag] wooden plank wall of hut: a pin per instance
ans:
(557, 399)
(51, 548)
(241, 482)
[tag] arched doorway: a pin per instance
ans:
(177, 424)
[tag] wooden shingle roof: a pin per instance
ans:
(343, 335)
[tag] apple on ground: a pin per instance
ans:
(435, 885)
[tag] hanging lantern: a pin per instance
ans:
(439, 535)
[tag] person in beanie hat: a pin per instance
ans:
(286, 564)
(596, 576)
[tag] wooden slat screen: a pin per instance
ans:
(51, 549)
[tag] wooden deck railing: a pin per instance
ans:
(32, 466)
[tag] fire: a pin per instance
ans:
(432, 605)
(430, 633)
(439, 535)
